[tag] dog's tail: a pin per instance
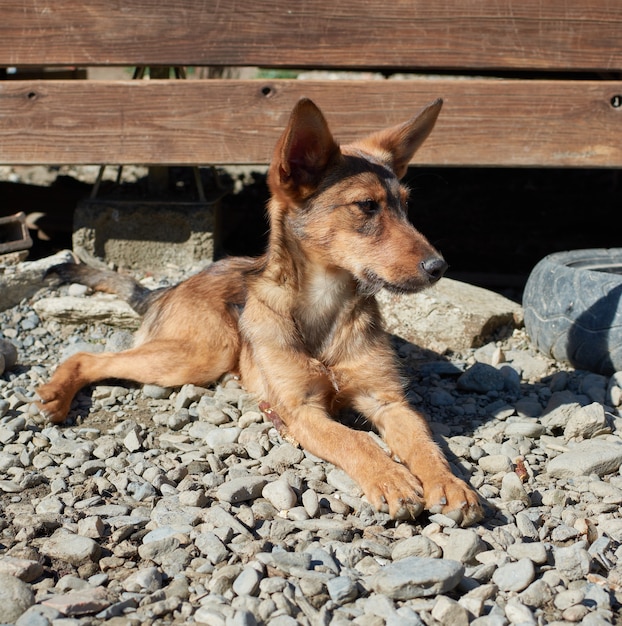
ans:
(126, 287)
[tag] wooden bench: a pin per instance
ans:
(525, 82)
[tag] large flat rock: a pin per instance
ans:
(451, 314)
(25, 279)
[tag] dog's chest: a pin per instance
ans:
(324, 302)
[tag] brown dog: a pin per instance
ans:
(301, 324)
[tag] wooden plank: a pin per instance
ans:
(483, 121)
(452, 34)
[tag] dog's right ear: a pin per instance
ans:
(304, 151)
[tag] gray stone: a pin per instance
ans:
(597, 596)
(8, 354)
(212, 547)
(222, 436)
(496, 463)
(342, 589)
(512, 488)
(209, 412)
(156, 550)
(187, 395)
(481, 378)
(512, 381)
(133, 440)
(533, 368)
(284, 620)
(81, 602)
(585, 458)
(531, 429)
(210, 615)
(145, 580)
(537, 594)
(76, 289)
(560, 410)
(219, 518)
(563, 533)
(72, 548)
(156, 392)
(419, 545)
(613, 528)
(518, 613)
(241, 489)
(38, 615)
(608, 492)
(572, 562)
(474, 600)
(416, 577)
(568, 598)
(405, 616)
(535, 552)
(286, 561)
(463, 545)
(514, 576)
(586, 422)
(320, 558)
(280, 494)
(247, 582)
(528, 408)
(448, 611)
(311, 502)
(15, 597)
(440, 398)
(24, 569)
(283, 456)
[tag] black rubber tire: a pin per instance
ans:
(573, 308)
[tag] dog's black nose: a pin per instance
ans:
(434, 267)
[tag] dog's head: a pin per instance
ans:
(345, 208)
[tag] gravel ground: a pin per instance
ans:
(159, 506)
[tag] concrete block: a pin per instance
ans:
(145, 235)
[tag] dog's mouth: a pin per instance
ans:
(371, 284)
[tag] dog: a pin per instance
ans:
(300, 325)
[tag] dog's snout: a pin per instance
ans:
(434, 267)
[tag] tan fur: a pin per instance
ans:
(301, 325)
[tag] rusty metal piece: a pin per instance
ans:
(14, 233)
(521, 469)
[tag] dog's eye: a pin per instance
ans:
(368, 206)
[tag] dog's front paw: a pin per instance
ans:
(453, 497)
(395, 491)
(52, 404)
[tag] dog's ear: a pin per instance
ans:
(304, 150)
(402, 141)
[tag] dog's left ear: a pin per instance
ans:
(304, 150)
(402, 141)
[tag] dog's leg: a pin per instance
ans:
(387, 485)
(160, 362)
(299, 390)
(376, 392)
(409, 438)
